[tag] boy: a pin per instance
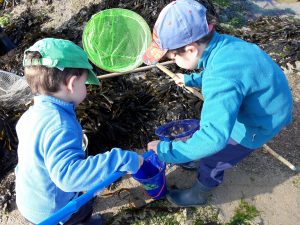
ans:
(247, 100)
(52, 168)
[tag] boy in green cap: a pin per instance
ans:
(247, 100)
(52, 169)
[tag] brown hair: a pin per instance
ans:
(46, 80)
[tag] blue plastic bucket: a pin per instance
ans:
(152, 176)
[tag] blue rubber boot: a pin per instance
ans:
(192, 166)
(95, 220)
(195, 196)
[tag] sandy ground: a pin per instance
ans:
(289, 6)
(260, 179)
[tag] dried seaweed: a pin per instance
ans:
(8, 140)
(125, 111)
(150, 10)
(278, 36)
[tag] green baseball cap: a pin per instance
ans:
(60, 53)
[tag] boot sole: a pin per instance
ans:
(175, 204)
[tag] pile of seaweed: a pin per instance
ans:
(8, 139)
(278, 36)
(125, 111)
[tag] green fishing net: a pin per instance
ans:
(115, 39)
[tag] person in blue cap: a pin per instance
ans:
(52, 167)
(247, 100)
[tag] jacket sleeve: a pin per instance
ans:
(193, 79)
(222, 102)
(71, 172)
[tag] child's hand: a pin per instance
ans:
(153, 145)
(179, 80)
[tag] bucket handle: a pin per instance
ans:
(161, 189)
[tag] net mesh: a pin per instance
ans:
(14, 90)
(178, 129)
(115, 39)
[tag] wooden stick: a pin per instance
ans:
(198, 94)
(132, 71)
(280, 158)
(173, 76)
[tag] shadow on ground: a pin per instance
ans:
(237, 13)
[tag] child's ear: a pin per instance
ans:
(70, 83)
(210, 27)
(192, 49)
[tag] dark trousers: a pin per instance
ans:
(211, 169)
(82, 216)
(5, 43)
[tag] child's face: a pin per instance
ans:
(188, 58)
(79, 93)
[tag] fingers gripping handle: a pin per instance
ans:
(173, 76)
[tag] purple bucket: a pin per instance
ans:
(152, 176)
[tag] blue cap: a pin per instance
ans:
(180, 23)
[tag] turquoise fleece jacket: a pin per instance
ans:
(52, 167)
(246, 97)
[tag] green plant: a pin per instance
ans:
(235, 22)
(5, 20)
(243, 214)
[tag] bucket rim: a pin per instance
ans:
(163, 168)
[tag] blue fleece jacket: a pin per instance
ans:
(246, 97)
(52, 166)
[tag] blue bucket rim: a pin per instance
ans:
(163, 168)
(163, 127)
